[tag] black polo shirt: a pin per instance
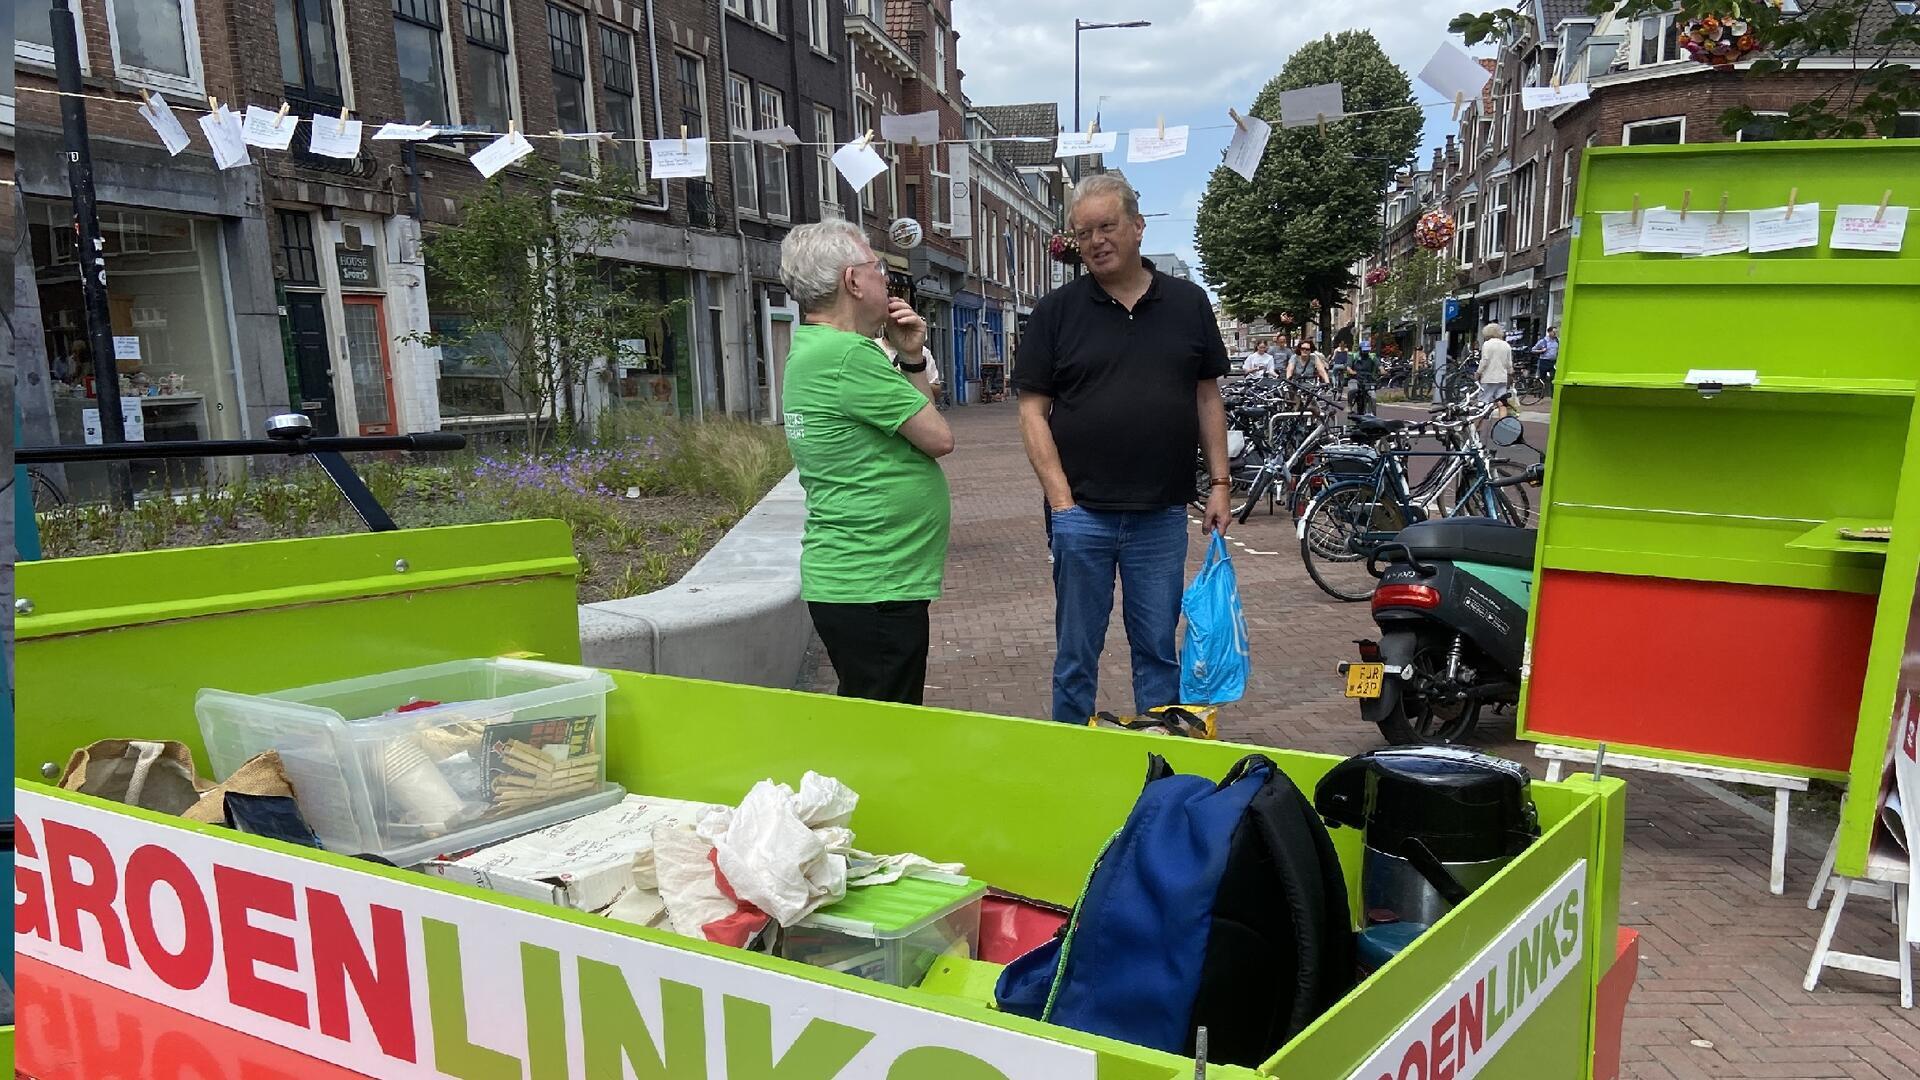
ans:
(1123, 383)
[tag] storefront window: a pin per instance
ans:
(168, 311)
(648, 371)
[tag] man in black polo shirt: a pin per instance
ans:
(1118, 375)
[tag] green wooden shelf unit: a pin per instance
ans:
(1695, 599)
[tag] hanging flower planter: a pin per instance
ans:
(1378, 276)
(1434, 230)
(1064, 249)
(1286, 318)
(1720, 39)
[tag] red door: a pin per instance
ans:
(371, 365)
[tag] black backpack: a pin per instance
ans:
(1216, 905)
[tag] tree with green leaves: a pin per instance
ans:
(1291, 236)
(537, 302)
(1864, 99)
(1415, 293)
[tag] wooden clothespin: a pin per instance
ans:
(1459, 102)
(1722, 218)
(146, 98)
(513, 127)
(1556, 81)
(867, 139)
(1321, 120)
(1094, 128)
(1238, 120)
(1686, 200)
(1792, 197)
(1636, 208)
(213, 103)
(683, 138)
(1881, 214)
(281, 116)
(1161, 124)
(342, 129)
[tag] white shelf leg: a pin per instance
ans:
(1553, 771)
(1826, 867)
(1901, 898)
(1777, 873)
(1820, 948)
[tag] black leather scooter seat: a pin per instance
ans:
(1374, 427)
(1471, 540)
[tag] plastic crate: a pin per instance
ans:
(507, 747)
(892, 933)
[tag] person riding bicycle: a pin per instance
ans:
(1307, 364)
(1361, 372)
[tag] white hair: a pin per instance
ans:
(1492, 331)
(813, 257)
(1105, 184)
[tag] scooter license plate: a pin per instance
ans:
(1363, 680)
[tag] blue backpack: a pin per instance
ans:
(1216, 905)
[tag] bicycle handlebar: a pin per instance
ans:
(1532, 475)
(190, 448)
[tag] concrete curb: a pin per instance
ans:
(735, 617)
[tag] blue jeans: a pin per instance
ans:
(1148, 548)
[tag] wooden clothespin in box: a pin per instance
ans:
(1722, 217)
(1881, 214)
(1239, 121)
(1793, 197)
(1686, 201)
(342, 129)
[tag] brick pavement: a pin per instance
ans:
(1721, 959)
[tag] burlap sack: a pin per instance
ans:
(154, 775)
(261, 775)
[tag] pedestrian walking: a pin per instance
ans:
(1119, 378)
(1496, 363)
(1547, 356)
(864, 434)
(1259, 364)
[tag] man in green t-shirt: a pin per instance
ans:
(864, 434)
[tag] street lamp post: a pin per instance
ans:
(1078, 26)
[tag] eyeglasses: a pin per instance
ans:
(1104, 231)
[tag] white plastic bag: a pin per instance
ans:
(774, 861)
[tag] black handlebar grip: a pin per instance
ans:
(438, 440)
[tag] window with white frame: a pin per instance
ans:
(942, 208)
(1531, 78)
(1569, 166)
(1469, 232)
(863, 121)
(420, 46)
(1665, 131)
(1523, 192)
(761, 12)
(309, 51)
(939, 55)
(691, 73)
(617, 101)
(1483, 136)
(33, 32)
(1658, 44)
(155, 43)
(1493, 238)
(567, 47)
(820, 25)
(746, 178)
(1764, 127)
(489, 63)
(775, 191)
(826, 179)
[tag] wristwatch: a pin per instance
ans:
(912, 369)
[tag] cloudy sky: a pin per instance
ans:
(1199, 58)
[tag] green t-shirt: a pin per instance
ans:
(877, 506)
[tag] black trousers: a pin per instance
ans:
(878, 650)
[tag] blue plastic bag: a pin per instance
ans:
(1213, 655)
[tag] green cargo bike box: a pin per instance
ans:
(163, 931)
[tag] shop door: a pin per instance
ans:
(312, 361)
(368, 361)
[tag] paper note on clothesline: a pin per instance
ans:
(222, 129)
(1783, 228)
(859, 163)
(405, 132)
(501, 153)
(1250, 135)
(1674, 232)
(334, 138)
(1543, 97)
(1311, 105)
(267, 129)
(1726, 234)
(1454, 74)
(1620, 232)
(1082, 143)
(678, 159)
(923, 127)
(159, 115)
(1868, 228)
(1154, 144)
(783, 135)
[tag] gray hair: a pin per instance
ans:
(1492, 331)
(813, 257)
(1105, 184)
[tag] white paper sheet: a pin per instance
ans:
(783, 135)
(1248, 146)
(859, 163)
(1772, 230)
(1620, 233)
(1451, 73)
(334, 139)
(267, 129)
(1147, 144)
(1854, 228)
(126, 346)
(159, 115)
(1305, 106)
(673, 160)
(960, 197)
(501, 153)
(924, 126)
(1544, 97)
(1723, 376)
(1673, 233)
(1725, 236)
(222, 129)
(404, 132)
(1082, 143)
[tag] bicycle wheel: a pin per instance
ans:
(1338, 535)
(1518, 497)
(1530, 389)
(1492, 503)
(46, 494)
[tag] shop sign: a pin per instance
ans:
(1462, 1027)
(356, 267)
(406, 981)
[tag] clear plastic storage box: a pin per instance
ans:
(412, 764)
(892, 933)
